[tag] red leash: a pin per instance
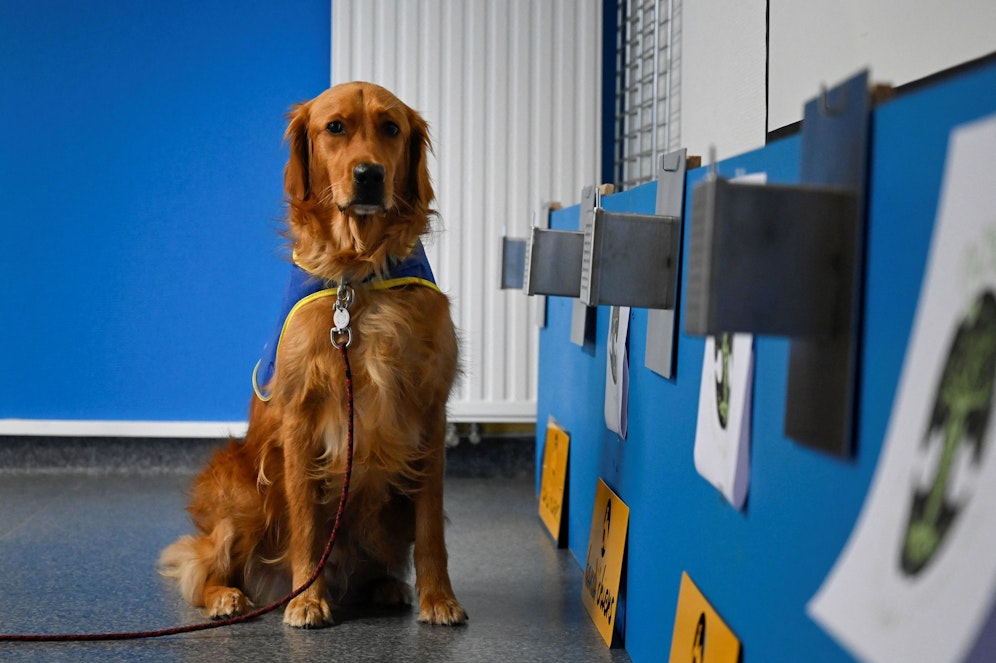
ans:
(238, 619)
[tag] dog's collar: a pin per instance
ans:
(413, 269)
(305, 287)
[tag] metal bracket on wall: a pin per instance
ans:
(553, 267)
(629, 259)
(662, 326)
(513, 263)
(541, 220)
(787, 261)
(633, 259)
(553, 262)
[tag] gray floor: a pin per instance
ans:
(78, 551)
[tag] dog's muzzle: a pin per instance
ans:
(368, 188)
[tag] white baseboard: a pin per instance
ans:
(458, 413)
(81, 428)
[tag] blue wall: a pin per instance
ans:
(141, 171)
(761, 566)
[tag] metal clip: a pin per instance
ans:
(341, 334)
(828, 109)
(344, 296)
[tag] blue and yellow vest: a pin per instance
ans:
(305, 288)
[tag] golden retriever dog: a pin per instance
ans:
(358, 194)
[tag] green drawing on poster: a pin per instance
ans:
(724, 349)
(961, 411)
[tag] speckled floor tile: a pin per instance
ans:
(78, 552)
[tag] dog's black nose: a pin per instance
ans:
(368, 174)
(368, 185)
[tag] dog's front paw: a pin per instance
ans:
(441, 610)
(224, 602)
(307, 611)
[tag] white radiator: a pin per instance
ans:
(512, 93)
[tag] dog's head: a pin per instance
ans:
(357, 180)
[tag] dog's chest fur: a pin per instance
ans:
(399, 366)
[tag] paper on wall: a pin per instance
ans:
(722, 434)
(916, 580)
(617, 372)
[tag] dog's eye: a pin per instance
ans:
(336, 127)
(391, 129)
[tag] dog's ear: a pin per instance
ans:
(419, 145)
(297, 182)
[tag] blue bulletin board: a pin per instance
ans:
(759, 566)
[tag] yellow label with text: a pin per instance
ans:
(554, 478)
(700, 634)
(603, 566)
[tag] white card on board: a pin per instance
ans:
(722, 433)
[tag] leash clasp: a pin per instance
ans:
(341, 335)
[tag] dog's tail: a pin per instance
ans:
(193, 560)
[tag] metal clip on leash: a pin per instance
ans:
(341, 334)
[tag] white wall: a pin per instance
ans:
(902, 41)
(723, 97)
(722, 76)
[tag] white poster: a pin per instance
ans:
(916, 580)
(617, 372)
(722, 434)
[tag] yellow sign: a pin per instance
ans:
(700, 634)
(554, 478)
(603, 567)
